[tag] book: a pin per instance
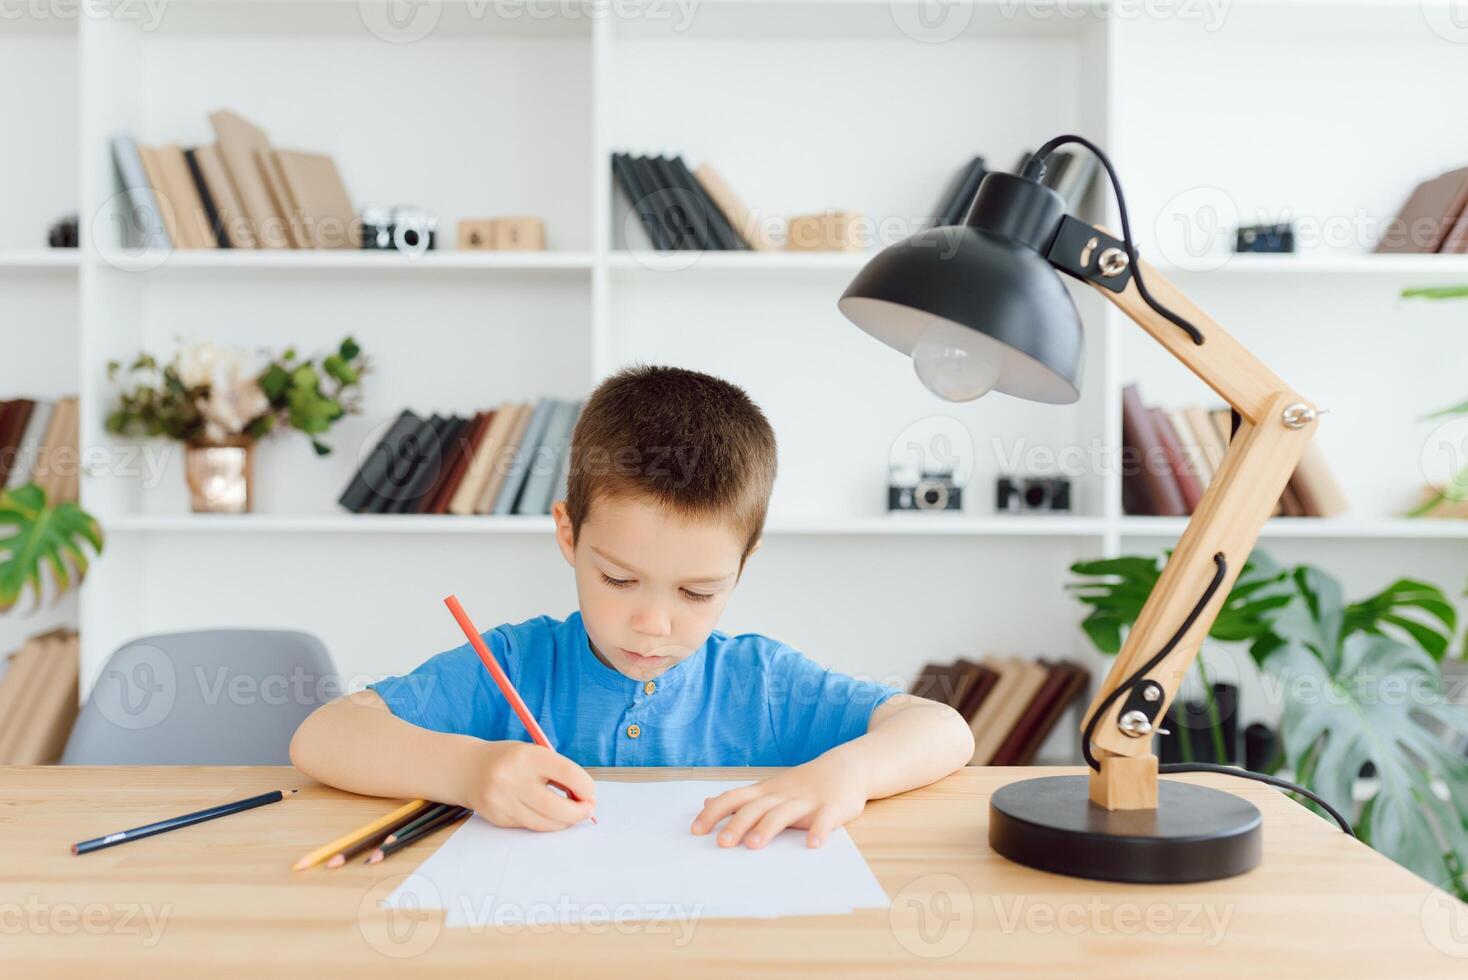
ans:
(1145, 461)
(937, 682)
(190, 218)
(1025, 679)
(12, 430)
(234, 226)
(423, 469)
(1188, 483)
(563, 475)
(1073, 185)
(1430, 213)
(1315, 486)
(28, 446)
(433, 466)
(57, 456)
(162, 194)
(520, 461)
(1055, 693)
(956, 208)
(361, 490)
(1193, 449)
(146, 217)
(206, 198)
(240, 142)
(319, 199)
(46, 719)
(745, 223)
(721, 235)
(280, 198)
(544, 465)
(481, 463)
(504, 457)
(455, 459)
(1212, 445)
(638, 203)
(675, 212)
(978, 691)
(1077, 680)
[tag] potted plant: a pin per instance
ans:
(1359, 683)
(42, 534)
(219, 402)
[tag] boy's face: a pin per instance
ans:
(651, 586)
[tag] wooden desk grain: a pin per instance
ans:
(219, 898)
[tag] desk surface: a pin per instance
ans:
(220, 897)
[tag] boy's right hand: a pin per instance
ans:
(509, 786)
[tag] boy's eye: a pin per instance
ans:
(698, 596)
(616, 583)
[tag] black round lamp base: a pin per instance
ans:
(1195, 834)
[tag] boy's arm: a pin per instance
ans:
(357, 744)
(910, 742)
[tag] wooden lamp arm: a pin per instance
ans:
(1276, 424)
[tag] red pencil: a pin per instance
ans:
(500, 678)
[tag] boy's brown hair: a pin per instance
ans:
(692, 443)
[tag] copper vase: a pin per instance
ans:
(219, 475)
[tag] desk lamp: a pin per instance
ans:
(979, 307)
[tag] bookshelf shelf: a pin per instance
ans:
(1346, 529)
(1451, 267)
(736, 262)
(39, 259)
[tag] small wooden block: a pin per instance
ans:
(828, 231)
(519, 234)
(510, 234)
(476, 234)
(1125, 782)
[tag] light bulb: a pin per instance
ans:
(954, 363)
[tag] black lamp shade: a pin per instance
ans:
(1010, 303)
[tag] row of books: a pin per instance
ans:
(678, 209)
(1068, 174)
(38, 699)
(511, 459)
(1433, 219)
(1170, 456)
(237, 192)
(38, 441)
(1011, 703)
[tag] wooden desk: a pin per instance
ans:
(220, 897)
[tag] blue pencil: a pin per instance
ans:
(173, 823)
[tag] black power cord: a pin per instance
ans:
(1034, 169)
(1284, 784)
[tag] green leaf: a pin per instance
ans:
(1370, 708)
(349, 349)
(1435, 292)
(274, 381)
(321, 448)
(41, 533)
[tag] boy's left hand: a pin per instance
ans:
(817, 797)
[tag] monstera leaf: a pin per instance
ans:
(1373, 699)
(35, 535)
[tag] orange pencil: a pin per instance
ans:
(503, 681)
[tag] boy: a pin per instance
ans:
(670, 479)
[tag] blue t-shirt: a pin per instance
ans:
(743, 700)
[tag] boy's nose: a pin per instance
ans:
(652, 622)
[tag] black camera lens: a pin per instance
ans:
(1034, 495)
(931, 496)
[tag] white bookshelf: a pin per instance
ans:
(802, 105)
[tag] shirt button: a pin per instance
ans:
(649, 687)
(633, 731)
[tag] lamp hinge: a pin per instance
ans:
(1090, 255)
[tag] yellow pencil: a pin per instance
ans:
(347, 840)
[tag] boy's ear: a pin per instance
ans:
(564, 538)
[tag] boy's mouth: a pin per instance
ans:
(638, 658)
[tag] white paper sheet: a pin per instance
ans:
(639, 863)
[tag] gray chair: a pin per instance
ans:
(212, 697)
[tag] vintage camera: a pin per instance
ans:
(931, 491)
(403, 229)
(63, 234)
(1265, 238)
(1032, 495)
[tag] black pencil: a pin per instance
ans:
(386, 834)
(174, 823)
(438, 810)
(434, 825)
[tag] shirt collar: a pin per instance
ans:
(608, 677)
